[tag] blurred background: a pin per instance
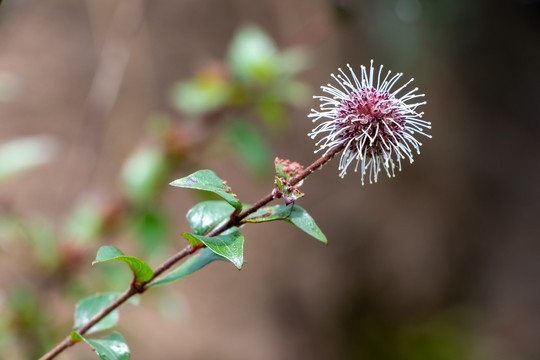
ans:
(103, 103)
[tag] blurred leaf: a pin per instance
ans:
(293, 60)
(23, 301)
(197, 261)
(445, 336)
(230, 246)
(112, 347)
(88, 307)
(271, 109)
(22, 154)
(140, 269)
(151, 226)
(207, 180)
(292, 214)
(251, 146)
(8, 336)
(200, 96)
(294, 92)
(143, 173)
(206, 215)
(28, 318)
(40, 234)
(252, 55)
(86, 221)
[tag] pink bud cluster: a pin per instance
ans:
(287, 168)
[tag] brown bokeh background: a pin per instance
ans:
(441, 260)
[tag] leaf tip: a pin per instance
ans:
(238, 263)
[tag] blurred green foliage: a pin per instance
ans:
(372, 332)
(20, 155)
(256, 81)
(241, 98)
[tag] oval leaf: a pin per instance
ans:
(207, 180)
(230, 245)
(143, 173)
(88, 307)
(252, 55)
(112, 347)
(197, 261)
(206, 215)
(141, 270)
(200, 96)
(19, 155)
(292, 214)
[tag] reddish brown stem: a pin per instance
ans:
(137, 288)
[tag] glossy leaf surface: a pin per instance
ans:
(207, 180)
(140, 269)
(292, 214)
(112, 347)
(206, 215)
(230, 245)
(197, 261)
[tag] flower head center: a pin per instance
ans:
(368, 112)
(374, 124)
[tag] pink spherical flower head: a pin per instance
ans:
(374, 123)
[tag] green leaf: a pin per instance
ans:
(200, 96)
(250, 146)
(143, 173)
(294, 92)
(207, 180)
(207, 215)
(85, 222)
(230, 245)
(252, 55)
(112, 347)
(197, 261)
(22, 154)
(293, 60)
(292, 214)
(141, 270)
(88, 307)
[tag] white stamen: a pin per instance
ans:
(374, 123)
